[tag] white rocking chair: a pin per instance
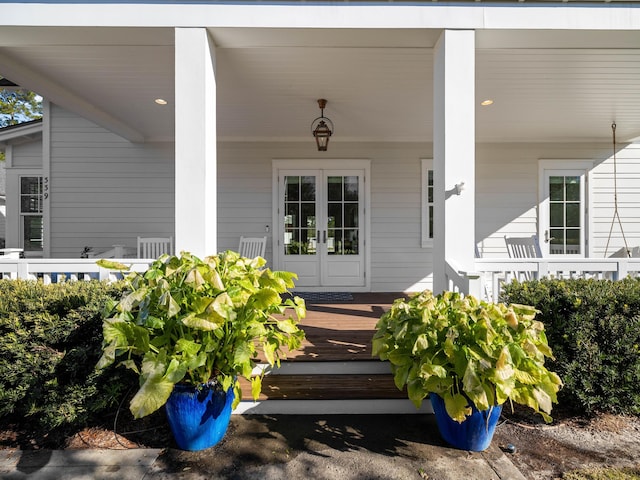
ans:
(153, 247)
(524, 247)
(252, 247)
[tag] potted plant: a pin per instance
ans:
(190, 328)
(470, 356)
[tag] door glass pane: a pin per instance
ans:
(292, 189)
(351, 189)
(573, 241)
(334, 189)
(572, 189)
(309, 243)
(351, 242)
(573, 214)
(556, 242)
(565, 215)
(556, 215)
(556, 188)
(292, 216)
(336, 238)
(335, 215)
(342, 215)
(351, 215)
(308, 187)
(300, 215)
(308, 217)
(292, 241)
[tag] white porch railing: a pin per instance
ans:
(496, 271)
(53, 270)
(458, 280)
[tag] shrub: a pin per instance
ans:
(50, 341)
(593, 328)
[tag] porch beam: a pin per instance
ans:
(196, 158)
(454, 153)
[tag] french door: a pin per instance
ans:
(321, 229)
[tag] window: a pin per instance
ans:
(31, 225)
(427, 203)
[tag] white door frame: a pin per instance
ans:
(321, 164)
(545, 166)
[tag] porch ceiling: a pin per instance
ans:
(546, 86)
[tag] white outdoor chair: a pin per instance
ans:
(153, 247)
(523, 247)
(252, 247)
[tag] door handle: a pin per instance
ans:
(324, 236)
(547, 238)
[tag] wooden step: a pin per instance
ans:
(324, 387)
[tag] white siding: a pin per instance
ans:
(27, 155)
(602, 210)
(104, 189)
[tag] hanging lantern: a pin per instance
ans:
(322, 128)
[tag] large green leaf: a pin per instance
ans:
(188, 347)
(265, 298)
(288, 325)
(154, 389)
(152, 395)
(198, 323)
(457, 407)
(112, 265)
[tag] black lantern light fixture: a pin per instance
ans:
(322, 128)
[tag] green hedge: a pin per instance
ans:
(50, 341)
(593, 328)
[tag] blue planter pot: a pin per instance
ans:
(474, 434)
(198, 418)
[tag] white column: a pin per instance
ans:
(196, 161)
(454, 153)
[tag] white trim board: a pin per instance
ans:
(332, 407)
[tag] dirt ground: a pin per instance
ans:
(545, 452)
(542, 452)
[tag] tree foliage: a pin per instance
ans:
(18, 106)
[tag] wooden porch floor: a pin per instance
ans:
(342, 331)
(337, 334)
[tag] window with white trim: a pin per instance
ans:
(31, 224)
(427, 202)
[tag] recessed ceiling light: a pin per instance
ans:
(486, 102)
(160, 101)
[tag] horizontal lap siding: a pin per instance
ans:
(104, 189)
(27, 155)
(603, 205)
(399, 262)
(244, 194)
(506, 195)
